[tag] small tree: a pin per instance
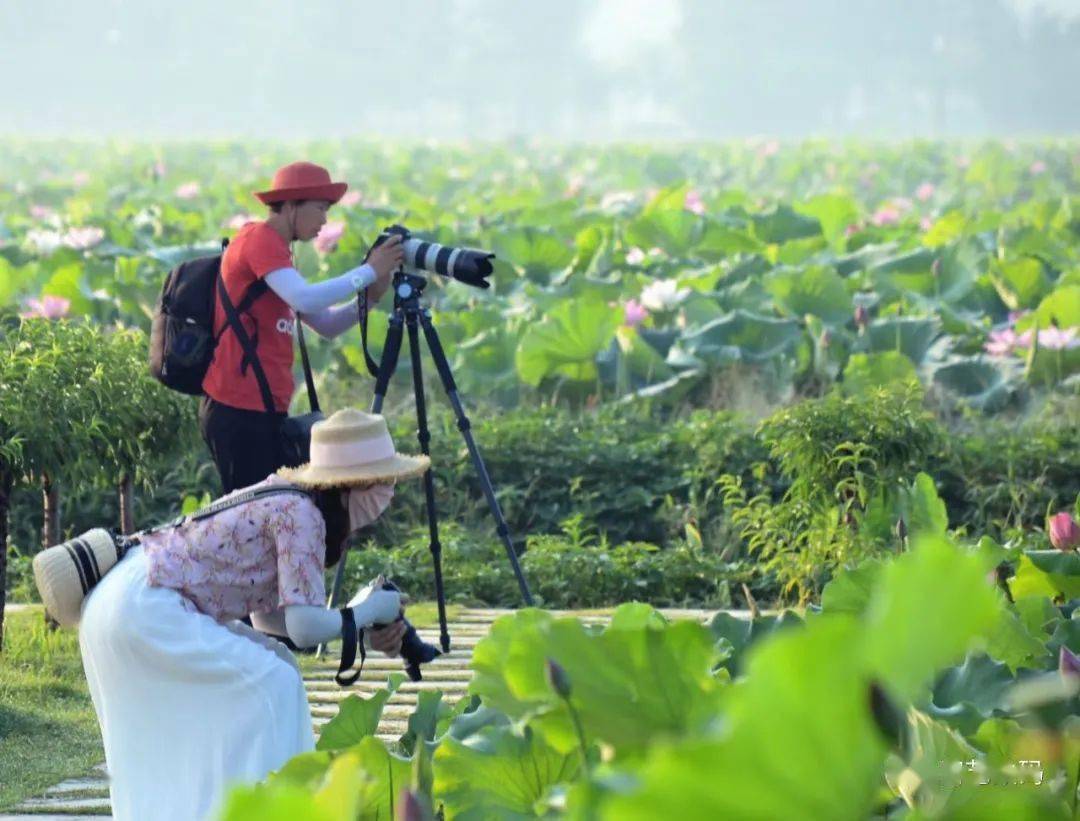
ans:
(77, 403)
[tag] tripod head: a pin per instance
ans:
(408, 288)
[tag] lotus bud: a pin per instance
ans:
(409, 807)
(557, 678)
(862, 317)
(1064, 532)
(1068, 663)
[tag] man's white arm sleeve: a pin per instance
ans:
(311, 297)
(332, 322)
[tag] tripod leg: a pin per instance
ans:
(424, 435)
(389, 359)
(391, 348)
(435, 346)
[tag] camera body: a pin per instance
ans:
(467, 265)
(414, 650)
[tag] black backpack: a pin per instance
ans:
(182, 338)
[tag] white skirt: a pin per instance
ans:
(188, 707)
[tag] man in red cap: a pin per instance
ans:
(241, 425)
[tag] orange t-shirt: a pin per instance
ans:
(256, 251)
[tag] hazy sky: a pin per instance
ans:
(566, 69)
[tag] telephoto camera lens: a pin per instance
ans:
(414, 649)
(467, 265)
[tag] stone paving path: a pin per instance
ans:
(450, 673)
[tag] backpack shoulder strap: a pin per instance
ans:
(248, 346)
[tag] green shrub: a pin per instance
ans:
(1007, 474)
(629, 474)
(841, 453)
(562, 571)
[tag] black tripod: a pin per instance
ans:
(408, 312)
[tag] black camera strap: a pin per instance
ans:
(362, 307)
(351, 640)
(313, 398)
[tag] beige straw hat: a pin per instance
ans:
(353, 449)
(66, 573)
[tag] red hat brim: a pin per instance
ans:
(332, 192)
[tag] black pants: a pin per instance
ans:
(244, 444)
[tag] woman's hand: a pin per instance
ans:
(387, 639)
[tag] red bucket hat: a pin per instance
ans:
(302, 181)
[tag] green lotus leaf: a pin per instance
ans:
(931, 604)
(911, 336)
(631, 683)
(756, 337)
(499, 773)
(536, 253)
(868, 372)
(769, 761)
(567, 341)
(982, 383)
(784, 224)
(817, 290)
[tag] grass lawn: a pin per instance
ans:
(48, 730)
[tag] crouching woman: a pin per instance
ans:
(191, 700)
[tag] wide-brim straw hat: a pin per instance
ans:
(302, 181)
(353, 449)
(67, 572)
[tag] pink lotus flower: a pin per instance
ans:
(693, 202)
(48, 307)
(82, 238)
(903, 204)
(1058, 339)
(80, 179)
(862, 316)
(238, 221)
(963, 161)
(1064, 532)
(853, 229)
(1038, 167)
(885, 215)
(925, 224)
(329, 234)
(42, 212)
(635, 256)
(350, 199)
(925, 191)
(634, 313)
(769, 149)
(574, 186)
(188, 191)
(1006, 341)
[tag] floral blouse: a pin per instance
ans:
(253, 558)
